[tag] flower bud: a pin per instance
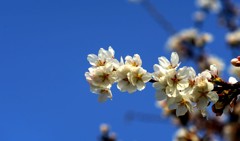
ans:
(236, 61)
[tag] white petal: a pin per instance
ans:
(140, 85)
(210, 86)
(88, 76)
(163, 61)
(181, 110)
(157, 85)
(206, 74)
(173, 106)
(182, 72)
(191, 72)
(169, 91)
(172, 91)
(110, 49)
(171, 101)
(213, 96)
(141, 71)
(121, 61)
(137, 60)
(128, 59)
(160, 95)
(131, 88)
(146, 77)
(232, 80)
(183, 84)
(214, 70)
(122, 85)
(156, 67)
(102, 53)
(174, 59)
(92, 59)
(202, 103)
(204, 112)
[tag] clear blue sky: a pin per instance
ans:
(43, 49)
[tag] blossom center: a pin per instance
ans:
(175, 79)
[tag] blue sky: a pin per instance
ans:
(43, 49)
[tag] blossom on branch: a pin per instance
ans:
(106, 70)
(188, 40)
(233, 38)
(209, 5)
(180, 87)
(202, 93)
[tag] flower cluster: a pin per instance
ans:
(102, 75)
(205, 61)
(180, 87)
(209, 5)
(233, 38)
(185, 41)
(107, 70)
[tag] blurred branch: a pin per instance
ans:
(157, 16)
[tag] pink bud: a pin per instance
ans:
(236, 61)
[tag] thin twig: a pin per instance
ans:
(160, 19)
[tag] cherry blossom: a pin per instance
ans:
(180, 87)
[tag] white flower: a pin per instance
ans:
(203, 97)
(159, 74)
(214, 70)
(185, 39)
(191, 80)
(203, 93)
(123, 82)
(160, 85)
(219, 63)
(104, 93)
(138, 77)
(127, 72)
(233, 38)
(166, 64)
(202, 39)
(182, 104)
(175, 42)
(101, 76)
(188, 34)
(172, 43)
(104, 57)
(106, 53)
(133, 61)
(177, 81)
